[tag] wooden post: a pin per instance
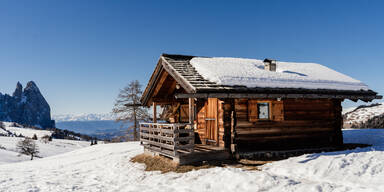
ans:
(154, 112)
(191, 111)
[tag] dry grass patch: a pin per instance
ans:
(163, 164)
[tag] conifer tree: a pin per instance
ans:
(128, 107)
(27, 147)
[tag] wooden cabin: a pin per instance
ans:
(237, 106)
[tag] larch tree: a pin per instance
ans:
(27, 147)
(128, 107)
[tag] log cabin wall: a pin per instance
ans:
(293, 123)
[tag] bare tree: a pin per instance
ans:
(27, 147)
(128, 107)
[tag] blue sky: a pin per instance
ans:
(80, 53)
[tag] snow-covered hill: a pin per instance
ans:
(107, 167)
(9, 153)
(84, 117)
(16, 130)
(362, 114)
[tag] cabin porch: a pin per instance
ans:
(177, 141)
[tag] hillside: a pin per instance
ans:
(9, 153)
(362, 114)
(107, 167)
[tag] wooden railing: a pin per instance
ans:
(168, 139)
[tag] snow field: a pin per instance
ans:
(363, 114)
(56, 146)
(107, 167)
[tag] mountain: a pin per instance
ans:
(84, 117)
(27, 107)
(103, 129)
(365, 116)
(101, 126)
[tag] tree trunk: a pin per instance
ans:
(31, 157)
(135, 136)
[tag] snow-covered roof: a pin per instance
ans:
(251, 73)
(225, 77)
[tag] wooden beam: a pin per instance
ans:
(176, 75)
(154, 112)
(159, 84)
(191, 108)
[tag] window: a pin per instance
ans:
(259, 110)
(263, 110)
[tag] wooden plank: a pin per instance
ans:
(277, 111)
(256, 132)
(250, 138)
(160, 82)
(252, 110)
(162, 145)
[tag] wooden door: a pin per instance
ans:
(211, 121)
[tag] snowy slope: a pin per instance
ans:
(251, 73)
(107, 167)
(363, 114)
(57, 146)
(25, 131)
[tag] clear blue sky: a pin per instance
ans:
(80, 53)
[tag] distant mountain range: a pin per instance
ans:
(84, 117)
(102, 126)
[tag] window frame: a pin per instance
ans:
(256, 102)
(269, 111)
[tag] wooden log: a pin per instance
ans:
(280, 131)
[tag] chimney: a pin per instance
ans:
(270, 64)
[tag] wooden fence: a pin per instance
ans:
(167, 139)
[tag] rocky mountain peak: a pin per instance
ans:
(31, 86)
(27, 107)
(18, 91)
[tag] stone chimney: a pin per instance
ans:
(270, 64)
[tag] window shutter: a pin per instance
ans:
(277, 111)
(252, 110)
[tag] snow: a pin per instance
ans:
(363, 114)
(2, 131)
(107, 167)
(25, 131)
(28, 132)
(56, 146)
(347, 110)
(251, 73)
